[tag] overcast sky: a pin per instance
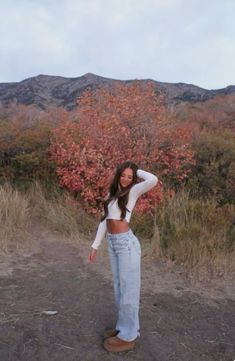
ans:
(190, 41)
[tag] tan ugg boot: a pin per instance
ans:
(111, 332)
(115, 344)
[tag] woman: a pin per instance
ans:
(124, 252)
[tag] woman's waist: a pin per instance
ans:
(117, 226)
(118, 236)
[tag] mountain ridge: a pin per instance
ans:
(46, 90)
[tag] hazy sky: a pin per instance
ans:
(190, 41)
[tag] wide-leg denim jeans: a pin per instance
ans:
(125, 255)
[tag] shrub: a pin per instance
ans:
(127, 122)
(214, 172)
(23, 148)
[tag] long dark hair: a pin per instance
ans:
(117, 192)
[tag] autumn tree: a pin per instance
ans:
(111, 125)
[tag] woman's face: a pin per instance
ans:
(126, 177)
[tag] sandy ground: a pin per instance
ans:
(180, 319)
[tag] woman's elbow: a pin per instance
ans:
(154, 180)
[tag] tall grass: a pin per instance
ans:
(192, 231)
(14, 218)
(59, 211)
(188, 231)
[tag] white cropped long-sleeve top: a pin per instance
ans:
(114, 212)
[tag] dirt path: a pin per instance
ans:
(177, 322)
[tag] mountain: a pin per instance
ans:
(46, 90)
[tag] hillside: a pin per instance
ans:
(45, 90)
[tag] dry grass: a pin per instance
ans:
(14, 218)
(60, 212)
(195, 232)
(187, 231)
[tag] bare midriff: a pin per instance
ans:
(117, 226)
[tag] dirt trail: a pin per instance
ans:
(177, 323)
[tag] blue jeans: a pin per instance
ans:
(125, 254)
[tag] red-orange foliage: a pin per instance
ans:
(128, 122)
